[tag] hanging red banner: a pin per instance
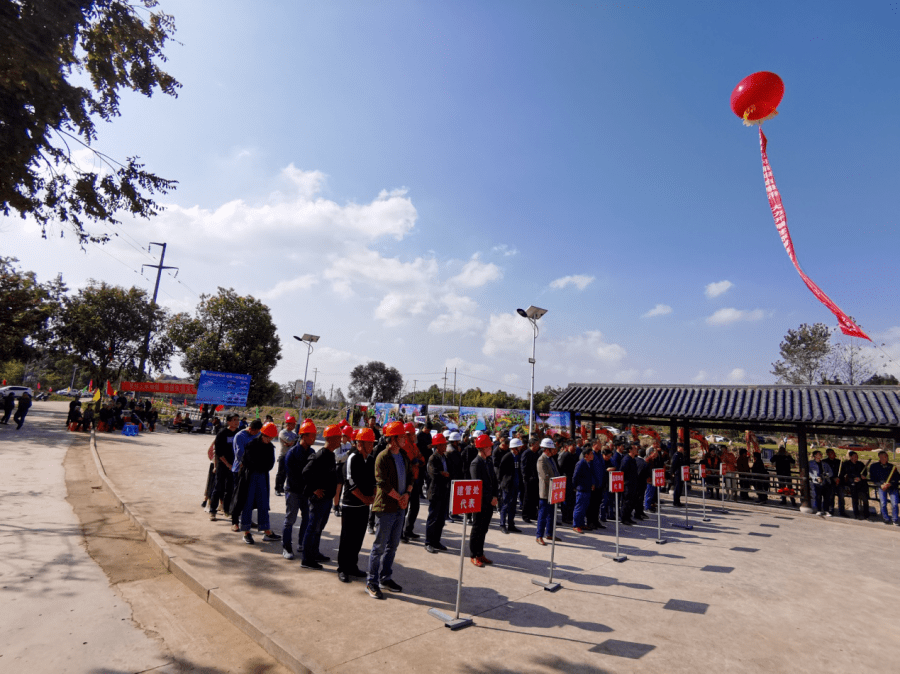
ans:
(156, 387)
(848, 327)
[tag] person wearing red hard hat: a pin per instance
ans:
(287, 438)
(259, 458)
(319, 484)
(359, 494)
(417, 466)
(438, 494)
(295, 500)
(482, 469)
(393, 479)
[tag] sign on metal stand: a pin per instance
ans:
(557, 495)
(686, 479)
(703, 491)
(723, 471)
(466, 498)
(617, 486)
(659, 481)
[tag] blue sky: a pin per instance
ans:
(398, 177)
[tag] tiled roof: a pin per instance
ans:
(869, 406)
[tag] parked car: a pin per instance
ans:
(71, 392)
(716, 438)
(17, 390)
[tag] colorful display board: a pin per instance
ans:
(226, 388)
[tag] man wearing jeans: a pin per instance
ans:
(546, 469)
(885, 478)
(319, 485)
(295, 499)
(393, 482)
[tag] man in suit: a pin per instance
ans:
(679, 460)
(438, 494)
(481, 469)
(628, 466)
(508, 476)
(530, 480)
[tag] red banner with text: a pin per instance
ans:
(157, 387)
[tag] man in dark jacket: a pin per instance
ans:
(223, 458)
(438, 494)
(643, 480)
(319, 486)
(359, 494)
(853, 474)
(886, 479)
(481, 469)
(259, 458)
(583, 482)
(528, 463)
(458, 470)
(837, 487)
(295, 499)
(508, 478)
(679, 459)
(628, 466)
(783, 463)
(566, 461)
(9, 404)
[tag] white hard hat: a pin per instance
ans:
(494, 438)
(547, 443)
(433, 432)
(454, 437)
(477, 434)
(515, 442)
(446, 433)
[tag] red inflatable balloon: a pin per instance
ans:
(757, 96)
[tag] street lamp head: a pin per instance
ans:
(532, 312)
(522, 313)
(307, 338)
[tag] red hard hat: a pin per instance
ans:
(347, 430)
(353, 434)
(365, 435)
(270, 429)
(439, 439)
(393, 428)
(290, 420)
(306, 427)
(409, 428)
(483, 441)
(331, 431)
(342, 423)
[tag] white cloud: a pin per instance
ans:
(507, 333)
(591, 344)
(397, 307)
(737, 376)
(718, 288)
(504, 250)
(475, 274)
(658, 310)
(463, 366)
(580, 281)
(304, 282)
(701, 377)
(460, 316)
(730, 315)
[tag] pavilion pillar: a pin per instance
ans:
(593, 426)
(803, 465)
(572, 425)
(673, 438)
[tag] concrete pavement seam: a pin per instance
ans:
(196, 583)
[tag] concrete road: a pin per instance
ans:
(749, 591)
(60, 610)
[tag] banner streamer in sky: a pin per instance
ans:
(755, 99)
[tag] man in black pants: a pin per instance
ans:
(530, 480)
(223, 456)
(678, 460)
(319, 484)
(853, 474)
(568, 458)
(438, 494)
(359, 494)
(417, 466)
(481, 469)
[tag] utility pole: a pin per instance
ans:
(159, 269)
(315, 376)
(414, 391)
(444, 394)
(456, 395)
(330, 394)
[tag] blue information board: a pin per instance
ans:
(223, 388)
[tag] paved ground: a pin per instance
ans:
(749, 591)
(80, 590)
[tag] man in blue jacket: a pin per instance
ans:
(583, 481)
(886, 479)
(295, 499)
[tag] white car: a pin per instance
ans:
(716, 438)
(613, 430)
(17, 390)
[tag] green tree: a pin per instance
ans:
(375, 382)
(881, 380)
(104, 327)
(230, 333)
(804, 356)
(26, 309)
(48, 52)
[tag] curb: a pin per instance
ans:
(200, 584)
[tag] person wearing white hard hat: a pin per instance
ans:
(455, 464)
(546, 469)
(530, 482)
(508, 476)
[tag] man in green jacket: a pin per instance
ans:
(393, 484)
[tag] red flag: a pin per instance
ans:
(170, 402)
(51, 389)
(185, 401)
(109, 390)
(91, 386)
(39, 386)
(848, 327)
(4, 382)
(219, 408)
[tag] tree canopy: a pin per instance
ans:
(804, 356)
(230, 333)
(375, 382)
(46, 51)
(26, 308)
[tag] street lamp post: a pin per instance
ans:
(309, 340)
(533, 314)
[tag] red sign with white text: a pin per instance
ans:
(659, 477)
(617, 481)
(723, 470)
(466, 496)
(158, 387)
(702, 472)
(685, 473)
(557, 489)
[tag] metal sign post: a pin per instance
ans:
(686, 479)
(617, 486)
(557, 495)
(703, 490)
(659, 480)
(466, 499)
(723, 473)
